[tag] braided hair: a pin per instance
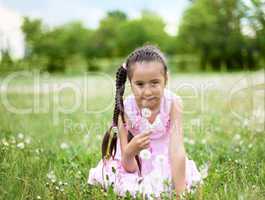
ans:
(146, 53)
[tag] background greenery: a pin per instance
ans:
(225, 35)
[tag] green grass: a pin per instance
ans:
(233, 147)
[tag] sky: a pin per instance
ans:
(57, 12)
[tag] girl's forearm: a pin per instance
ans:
(128, 160)
(178, 164)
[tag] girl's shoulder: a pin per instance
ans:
(171, 97)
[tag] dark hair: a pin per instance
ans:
(147, 53)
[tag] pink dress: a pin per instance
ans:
(156, 173)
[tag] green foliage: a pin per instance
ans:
(213, 29)
(212, 33)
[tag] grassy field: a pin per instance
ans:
(51, 129)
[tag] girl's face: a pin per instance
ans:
(148, 80)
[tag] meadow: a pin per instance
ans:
(51, 127)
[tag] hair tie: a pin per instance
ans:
(124, 66)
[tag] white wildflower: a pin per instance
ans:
(21, 145)
(145, 154)
(160, 159)
(237, 137)
(38, 197)
(191, 141)
(28, 140)
(204, 141)
(20, 136)
(4, 142)
(146, 112)
(51, 176)
(64, 145)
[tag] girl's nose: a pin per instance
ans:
(147, 91)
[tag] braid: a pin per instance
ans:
(121, 77)
(109, 144)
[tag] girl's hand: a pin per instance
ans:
(139, 142)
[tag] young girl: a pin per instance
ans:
(162, 164)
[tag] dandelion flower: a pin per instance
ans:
(20, 136)
(4, 142)
(51, 176)
(64, 145)
(28, 140)
(145, 154)
(160, 159)
(146, 112)
(237, 137)
(21, 145)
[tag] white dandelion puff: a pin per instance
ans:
(145, 154)
(64, 145)
(20, 136)
(51, 176)
(237, 137)
(160, 159)
(4, 142)
(21, 145)
(28, 140)
(146, 112)
(191, 142)
(204, 141)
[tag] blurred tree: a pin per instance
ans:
(104, 40)
(212, 28)
(5, 59)
(149, 28)
(33, 30)
(256, 21)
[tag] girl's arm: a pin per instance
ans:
(176, 147)
(127, 154)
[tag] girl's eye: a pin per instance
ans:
(140, 84)
(154, 83)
